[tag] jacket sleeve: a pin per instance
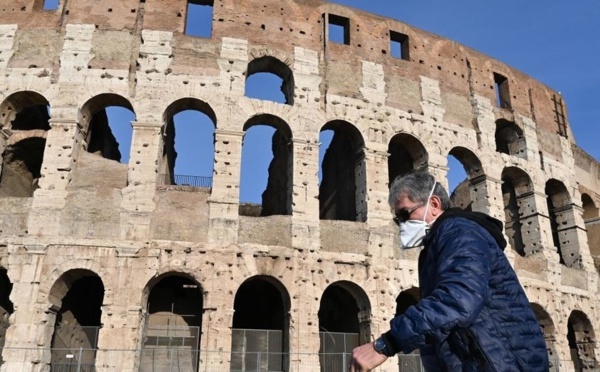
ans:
(462, 253)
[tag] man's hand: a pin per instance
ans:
(365, 358)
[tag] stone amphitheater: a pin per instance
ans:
(119, 267)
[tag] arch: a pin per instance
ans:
(582, 341)
(592, 226)
(406, 299)
(22, 167)
(98, 133)
(272, 65)
(172, 332)
(560, 208)
(509, 138)
(407, 153)
(468, 192)
(77, 297)
(344, 323)
(6, 306)
(517, 194)
(261, 324)
(342, 192)
(590, 210)
(25, 110)
(547, 325)
(276, 199)
(188, 144)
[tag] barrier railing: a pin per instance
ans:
(185, 180)
(178, 359)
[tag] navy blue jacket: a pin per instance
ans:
(473, 314)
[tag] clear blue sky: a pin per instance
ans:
(554, 41)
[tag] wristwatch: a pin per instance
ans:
(380, 346)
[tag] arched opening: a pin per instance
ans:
(189, 144)
(465, 176)
(592, 226)
(517, 194)
(174, 325)
(560, 209)
(260, 330)
(266, 174)
(21, 167)
(26, 117)
(510, 139)
(582, 342)
(270, 79)
(26, 110)
(106, 119)
(406, 153)
(344, 323)
(342, 192)
(547, 326)
(6, 307)
(78, 295)
(404, 301)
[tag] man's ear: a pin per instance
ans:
(436, 205)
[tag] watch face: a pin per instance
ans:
(379, 346)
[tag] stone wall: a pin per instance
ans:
(92, 216)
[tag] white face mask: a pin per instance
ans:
(412, 232)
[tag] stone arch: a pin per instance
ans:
(582, 341)
(406, 153)
(591, 219)
(471, 194)
(93, 119)
(344, 323)
(561, 215)
(510, 139)
(273, 65)
(76, 299)
(25, 110)
(407, 298)
(261, 322)
(173, 325)
(206, 140)
(277, 196)
(22, 166)
(342, 193)
(6, 306)
(519, 209)
(545, 321)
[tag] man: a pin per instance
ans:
(473, 314)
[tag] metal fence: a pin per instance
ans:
(170, 360)
(185, 180)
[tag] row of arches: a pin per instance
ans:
(260, 324)
(342, 171)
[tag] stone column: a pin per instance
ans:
(381, 237)
(224, 199)
(304, 342)
(305, 195)
(28, 339)
(119, 341)
(486, 196)
(138, 197)
(431, 99)
(217, 322)
(60, 155)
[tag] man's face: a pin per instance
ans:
(406, 209)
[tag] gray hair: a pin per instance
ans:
(417, 185)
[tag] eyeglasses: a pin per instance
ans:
(404, 214)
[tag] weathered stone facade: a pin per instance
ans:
(74, 221)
